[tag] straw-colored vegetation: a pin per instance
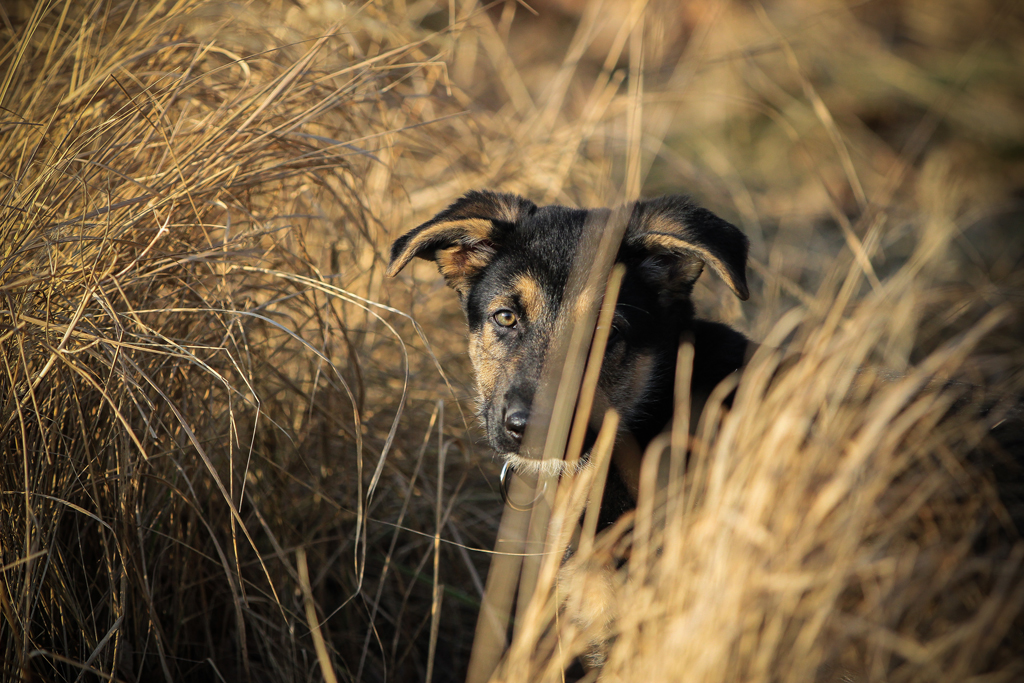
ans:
(230, 450)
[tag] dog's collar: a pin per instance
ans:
(505, 479)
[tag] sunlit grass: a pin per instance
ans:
(231, 450)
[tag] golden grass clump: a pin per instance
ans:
(228, 450)
(199, 380)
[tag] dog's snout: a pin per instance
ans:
(516, 417)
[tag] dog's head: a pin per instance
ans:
(510, 261)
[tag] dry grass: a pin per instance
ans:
(196, 381)
(228, 452)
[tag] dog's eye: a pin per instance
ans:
(619, 326)
(505, 318)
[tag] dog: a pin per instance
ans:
(510, 262)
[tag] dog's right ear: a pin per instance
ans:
(463, 238)
(681, 238)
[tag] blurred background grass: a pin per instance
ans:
(232, 451)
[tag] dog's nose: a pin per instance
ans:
(515, 422)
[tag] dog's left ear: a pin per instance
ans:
(463, 238)
(682, 237)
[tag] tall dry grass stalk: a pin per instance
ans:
(229, 452)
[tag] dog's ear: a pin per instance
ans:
(463, 238)
(681, 237)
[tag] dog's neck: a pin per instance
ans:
(718, 352)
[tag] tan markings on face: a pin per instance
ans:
(491, 359)
(486, 363)
(531, 296)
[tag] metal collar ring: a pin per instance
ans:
(506, 480)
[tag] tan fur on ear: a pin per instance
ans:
(463, 238)
(661, 242)
(465, 232)
(458, 264)
(673, 225)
